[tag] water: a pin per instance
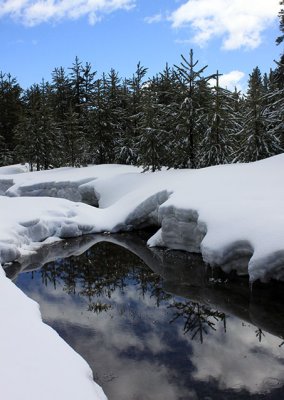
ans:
(159, 325)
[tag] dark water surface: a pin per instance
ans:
(159, 325)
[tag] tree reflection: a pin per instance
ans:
(197, 319)
(104, 268)
(259, 334)
(99, 272)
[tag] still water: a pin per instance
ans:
(156, 324)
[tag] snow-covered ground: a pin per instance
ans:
(232, 214)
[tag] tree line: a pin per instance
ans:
(179, 118)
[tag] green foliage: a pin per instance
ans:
(176, 119)
(257, 139)
(222, 125)
(194, 96)
(280, 38)
(10, 111)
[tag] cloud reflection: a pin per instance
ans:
(134, 343)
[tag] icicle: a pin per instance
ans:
(251, 282)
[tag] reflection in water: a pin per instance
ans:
(172, 330)
(197, 318)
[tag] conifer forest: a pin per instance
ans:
(179, 118)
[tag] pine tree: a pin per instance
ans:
(168, 92)
(124, 151)
(191, 110)
(62, 94)
(136, 86)
(27, 131)
(257, 142)
(117, 115)
(280, 38)
(100, 125)
(75, 144)
(10, 106)
(150, 142)
(50, 131)
(38, 135)
(274, 110)
(217, 144)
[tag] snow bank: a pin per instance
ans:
(67, 183)
(232, 214)
(42, 364)
(14, 169)
(35, 362)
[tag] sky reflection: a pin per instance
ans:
(144, 343)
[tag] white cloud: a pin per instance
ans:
(231, 80)
(239, 23)
(30, 12)
(256, 366)
(153, 19)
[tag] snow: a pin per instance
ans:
(14, 169)
(232, 214)
(35, 362)
(61, 182)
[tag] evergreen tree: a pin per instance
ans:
(82, 83)
(257, 142)
(192, 111)
(27, 131)
(38, 135)
(136, 86)
(11, 107)
(217, 143)
(124, 151)
(75, 144)
(280, 38)
(100, 125)
(62, 95)
(150, 142)
(117, 116)
(168, 92)
(274, 110)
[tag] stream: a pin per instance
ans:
(155, 324)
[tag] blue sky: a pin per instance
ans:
(232, 36)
